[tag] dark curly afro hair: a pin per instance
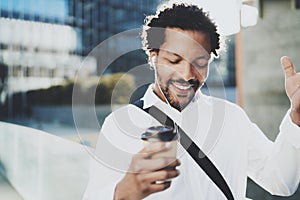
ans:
(183, 16)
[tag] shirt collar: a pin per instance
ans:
(150, 99)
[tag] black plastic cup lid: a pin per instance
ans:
(161, 133)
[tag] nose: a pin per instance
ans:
(187, 71)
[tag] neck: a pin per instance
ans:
(158, 92)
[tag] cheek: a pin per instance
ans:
(202, 74)
(164, 72)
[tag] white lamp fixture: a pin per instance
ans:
(249, 15)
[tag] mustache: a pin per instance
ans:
(193, 82)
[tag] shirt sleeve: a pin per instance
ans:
(275, 166)
(116, 146)
(99, 187)
(105, 172)
(290, 131)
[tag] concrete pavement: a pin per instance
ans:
(7, 192)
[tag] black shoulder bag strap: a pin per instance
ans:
(194, 151)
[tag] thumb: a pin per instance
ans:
(287, 66)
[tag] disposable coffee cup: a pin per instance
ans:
(162, 134)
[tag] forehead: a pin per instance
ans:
(186, 43)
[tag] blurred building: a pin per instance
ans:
(37, 48)
(265, 101)
(97, 20)
(40, 56)
(276, 34)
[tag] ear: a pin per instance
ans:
(152, 59)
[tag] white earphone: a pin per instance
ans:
(153, 60)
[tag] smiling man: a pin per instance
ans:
(180, 41)
(181, 67)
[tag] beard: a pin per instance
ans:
(179, 101)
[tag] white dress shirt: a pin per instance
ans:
(235, 145)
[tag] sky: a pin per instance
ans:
(48, 8)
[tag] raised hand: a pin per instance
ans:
(143, 175)
(292, 87)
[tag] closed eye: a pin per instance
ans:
(200, 65)
(175, 61)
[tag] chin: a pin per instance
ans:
(180, 105)
(177, 101)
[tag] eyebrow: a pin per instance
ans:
(206, 57)
(173, 54)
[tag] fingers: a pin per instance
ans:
(156, 181)
(287, 66)
(146, 176)
(141, 163)
(153, 188)
(149, 165)
(148, 189)
(153, 148)
(160, 175)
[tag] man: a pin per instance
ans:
(180, 41)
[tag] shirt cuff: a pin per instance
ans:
(290, 130)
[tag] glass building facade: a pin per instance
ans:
(97, 20)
